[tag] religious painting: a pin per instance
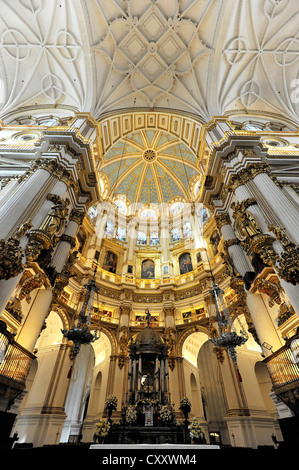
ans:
(215, 239)
(110, 262)
(185, 263)
(148, 269)
(198, 258)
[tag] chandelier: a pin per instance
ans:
(80, 333)
(228, 337)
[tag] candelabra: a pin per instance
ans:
(226, 339)
(80, 333)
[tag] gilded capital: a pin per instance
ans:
(222, 219)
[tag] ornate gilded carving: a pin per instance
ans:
(263, 245)
(46, 236)
(55, 221)
(11, 253)
(272, 289)
(222, 219)
(77, 216)
(288, 261)
(247, 174)
(285, 312)
(68, 239)
(245, 223)
(62, 279)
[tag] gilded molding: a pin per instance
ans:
(222, 219)
(11, 253)
(68, 239)
(77, 216)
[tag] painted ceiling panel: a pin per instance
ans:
(154, 177)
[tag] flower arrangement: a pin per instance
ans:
(166, 414)
(185, 404)
(130, 414)
(111, 402)
(195, 429)
(102, 429)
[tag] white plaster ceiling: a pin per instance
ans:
(206, 57)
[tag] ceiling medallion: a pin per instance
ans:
(149, 156)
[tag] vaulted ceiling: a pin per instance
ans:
(150, 167)
(205, 57)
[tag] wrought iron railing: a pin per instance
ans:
(283, 364)
(15, 361)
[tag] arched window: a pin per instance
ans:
(110, 262)
(109, 230)
(175, 235)
(121, 234)
(187, 231)
(93, 212)
(185, 263)
(154, 239)
(148, 269)
(176, 208)
(141, 238)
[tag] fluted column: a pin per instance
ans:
(67, 240)
(30, 195)
(234, 248)
(283, 208)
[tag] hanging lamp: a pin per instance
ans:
(80, 333)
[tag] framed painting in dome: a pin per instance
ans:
(110, 262)
(148, 269)
(185, 263)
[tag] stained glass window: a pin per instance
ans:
(148, 214)
(204, 215)
(154, 239)
(109, 228)
(175, 235)
(187, 231)
(121, 207)
(121, 234)
(141, 238)
(93, 212)
(176, 208)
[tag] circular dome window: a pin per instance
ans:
(274, 142)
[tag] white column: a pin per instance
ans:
(284, 209)
(263, 323)
(32, 326)
(63, 248)
(235, 251)
(20, 202)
